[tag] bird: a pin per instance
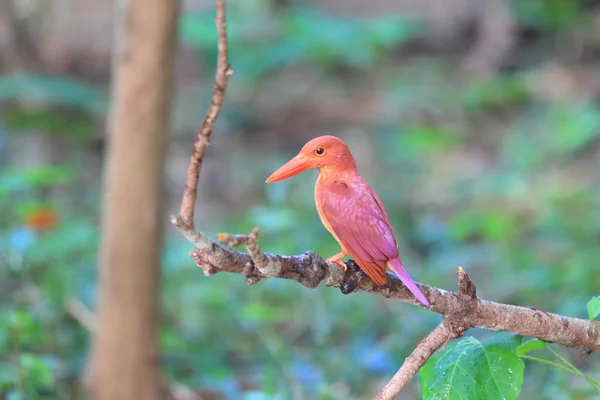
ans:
(350, 210)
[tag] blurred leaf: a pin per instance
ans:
(257, 312)
(468, 369)
(530, 346)
(38, 373)
(551, 14)
(495, 91)
(326, 39)
(4, 340)
(8, 376)
(273, 219)
(31, 178)
(302, 33)
(419, 140)
(22, 329)
(198, 30)
(30, 207)
(493, 225)
(593, 307)
(574, 124)
(65, 242)
(388, 31)
(70, 125)
(54, 90)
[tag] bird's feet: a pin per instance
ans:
(337, 260)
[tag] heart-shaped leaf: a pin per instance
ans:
(468, 369)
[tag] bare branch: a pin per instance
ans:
(82, 314)
(311, 270)
(436, 339)
(186, 212)
(261, 262)
(413, 363)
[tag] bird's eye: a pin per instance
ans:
(320, 151)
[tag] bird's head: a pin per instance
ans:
(327, 153)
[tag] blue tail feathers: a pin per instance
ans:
(397, 267)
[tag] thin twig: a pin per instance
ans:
(436, 339)
(82, 314)
(261, 262)
(413, 363)
(186, 212)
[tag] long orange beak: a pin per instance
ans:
(293, 167)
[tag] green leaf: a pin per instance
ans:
(197, 30)
(469, 369)
(54, 90)
(506, 340)
(593, 307)
(423, 139)
(8, 375)
(37, 371)
(574, 125)
(72, 125)
(12, 181)
(530, 346)
(256, 312)
(494, 92)
(549, 14)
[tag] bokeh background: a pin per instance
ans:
(477, 121)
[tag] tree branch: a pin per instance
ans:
(311, 270)
(439, 337)
(412, 364)
(186, 212)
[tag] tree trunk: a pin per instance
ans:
(124, 362)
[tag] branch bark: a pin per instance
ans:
(311, 270)
(186, 212)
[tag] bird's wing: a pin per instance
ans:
(359, 220)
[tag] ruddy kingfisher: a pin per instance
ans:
(350, 210)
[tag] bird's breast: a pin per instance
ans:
(322, 189)
(319, 192)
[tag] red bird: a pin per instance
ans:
(350, 210)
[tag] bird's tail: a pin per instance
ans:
(397, 267)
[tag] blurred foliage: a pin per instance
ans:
(562, 364)
(523, 222)
(272, 39)
(549, 14)
(54, 90)
(40, 347)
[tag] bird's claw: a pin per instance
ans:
(338, 262)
